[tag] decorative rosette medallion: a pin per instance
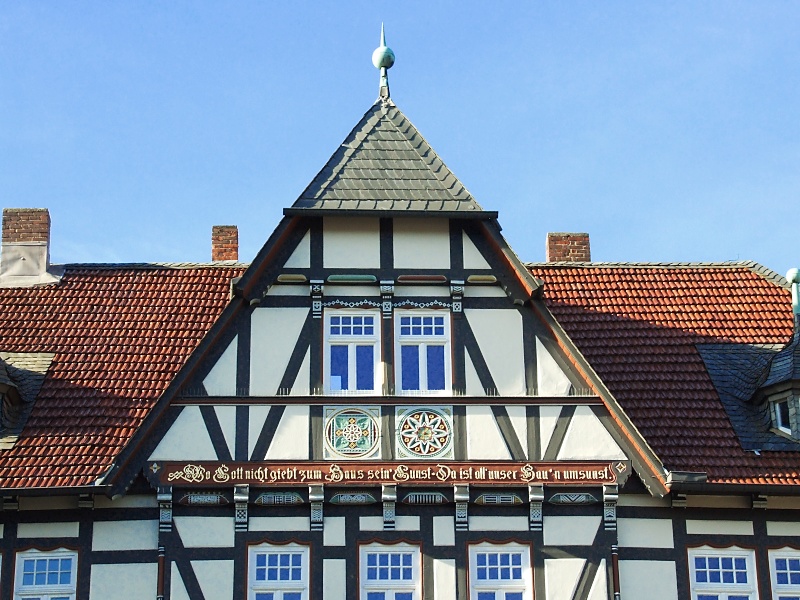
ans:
(424, 432)
(352, 432)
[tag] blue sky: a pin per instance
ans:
(667, 130)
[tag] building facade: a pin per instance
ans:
(387, 404)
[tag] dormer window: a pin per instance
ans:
(782, 410)
(782, 422)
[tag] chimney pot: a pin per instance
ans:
(568, 247)
(224, 242)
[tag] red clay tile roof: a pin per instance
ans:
(119, 334)
(638, 326)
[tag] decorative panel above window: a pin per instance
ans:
(722, 574)
(500, 572)
(422, 352)
(352, 352)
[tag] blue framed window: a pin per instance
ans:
(352, 351)
(500, 572)
(278, 572)
(785, 573)
(390, 572)
(50, 575)
(722, 574)
(422, 351)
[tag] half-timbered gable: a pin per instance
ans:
(387, 404)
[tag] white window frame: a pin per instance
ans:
(351, 341)
(522, 585)
(780, 424)
(422, 341)
(784, 591)
(279, 588)
(46, 591)
(390, 588)
(700, 590)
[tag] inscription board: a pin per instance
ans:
(410, 473)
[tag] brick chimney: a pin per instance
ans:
(568, 247)
(224, 242)
(25, 258)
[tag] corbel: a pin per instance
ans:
(10, 503)
(241, 496)
(461, 498)
(164, 498)
(679, 501)
(389, 497)
(457, 294)
(387, 292)
(536, 499)
(610, 496)
(760, 501)
(86, 501)
(316, 496)
(316, 288)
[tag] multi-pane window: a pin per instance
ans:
(785, 573)
(422, 346)
(500, 572)
(278, 572)
(46, 575)
(352, 351)
(390, 572)
(722, 574)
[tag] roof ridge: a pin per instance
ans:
(651, 264)
(230, 264)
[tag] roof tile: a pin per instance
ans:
(642, 327)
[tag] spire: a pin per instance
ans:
(383, 59)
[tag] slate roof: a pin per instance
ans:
(785, 366)
(117, 334)
(385, 164)
(646, 329)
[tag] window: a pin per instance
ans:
(422, 351)
(278, 572)
(352, 351)
(390, 572)
(722, 574)
(500, 572)
(46, 575)
(784, 568)
(781, 409)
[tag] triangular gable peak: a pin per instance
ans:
(385, 164)
(386, 295)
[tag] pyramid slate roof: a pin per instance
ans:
(385, 164)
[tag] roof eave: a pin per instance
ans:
(480, 215)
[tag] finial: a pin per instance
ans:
(383, 59)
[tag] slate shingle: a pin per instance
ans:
(385, 158)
